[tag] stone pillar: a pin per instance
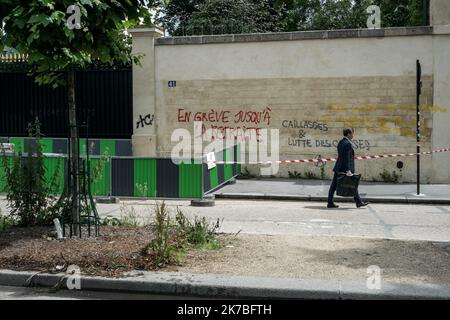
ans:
(144, 92)
(440, 12)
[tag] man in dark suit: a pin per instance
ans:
(345, 163)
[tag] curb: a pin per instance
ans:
(306, 198)
(231, 287)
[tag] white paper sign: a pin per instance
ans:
(6, 147)
(211, 160)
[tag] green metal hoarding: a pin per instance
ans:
(145, 177)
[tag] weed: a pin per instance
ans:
(388, 177)
(6, 222)
(202, 234)
(30, 198)
(295, 175)
(307, 175)
(311, 175)
(142, 189)
(245, 175)
(174, 236)
(111, 221)
(128, 218)
(161, 247)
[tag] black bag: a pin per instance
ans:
(347, 186)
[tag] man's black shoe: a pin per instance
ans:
(332, 206)
(362, 204)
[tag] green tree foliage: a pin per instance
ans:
(400, 13)
(181, 17)
(348, 14)
(30, 195)
(238, 16)
(40, 30)
(219, 16)
(174, 15)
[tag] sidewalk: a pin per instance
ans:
(232, 287)
(315, 190)
(281, 267)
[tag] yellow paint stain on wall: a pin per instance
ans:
(384, 119)
(373, 108)
(434, 109)
(403, 125)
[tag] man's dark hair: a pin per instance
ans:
(347, 131)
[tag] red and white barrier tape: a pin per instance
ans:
(395, 155)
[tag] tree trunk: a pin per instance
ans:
(74, 165)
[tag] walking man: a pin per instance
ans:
(345, 163)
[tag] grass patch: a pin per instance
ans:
(389, 177)
(6, 222)
(128, 218)
(174, 237)
(201, 234)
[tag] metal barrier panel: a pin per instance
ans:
(238, 159)
(3, 183)
(47, 144)
(136, 177)
(168, 179)
(222, 173)
(190, 181)
(108, 147)
(145, 178)
(19, 144)
(122, 177)
(228, 168)
(55, 173)
(157, 178)
(100, 176)
(97, 147)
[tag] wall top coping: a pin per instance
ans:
(143, 31)
(304, 35)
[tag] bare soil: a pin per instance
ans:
(324, 258)
(116, 251)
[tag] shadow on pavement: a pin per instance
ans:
(399, 260)
(324, 207)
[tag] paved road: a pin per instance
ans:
(378, 221)
(314, 188)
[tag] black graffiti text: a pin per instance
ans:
(145, 121)
(315, 125)
(324, 143)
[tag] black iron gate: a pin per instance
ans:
(105, 92)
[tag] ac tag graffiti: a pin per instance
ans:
(145, 121)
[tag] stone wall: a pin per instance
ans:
(310, 114)
(309, 89)
(307, 85)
